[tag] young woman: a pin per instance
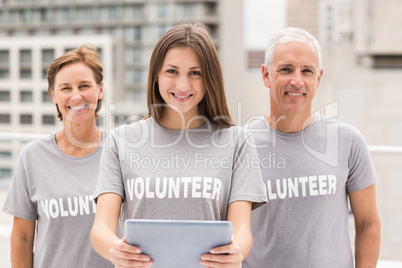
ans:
(185, 161)
(51, 193)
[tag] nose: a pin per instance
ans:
(183, 83)
(76, 95)
(297, 80)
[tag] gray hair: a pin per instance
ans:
(290, 34)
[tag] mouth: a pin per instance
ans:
(295, 93)
(77, 107)
(181, 97)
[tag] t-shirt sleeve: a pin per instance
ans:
(110, 178)
(361, 169)
(18, 202)
(247, 183)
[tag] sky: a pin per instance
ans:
(262, 19)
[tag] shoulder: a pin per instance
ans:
(348, 131)
(44, 143)
(133, 128)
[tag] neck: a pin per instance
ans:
(78, 139)
(179, 121)
(289, 123)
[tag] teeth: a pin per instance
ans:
(181, 97)
(294, 94)
(78, 107)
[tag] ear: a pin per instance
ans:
(319, 78)
(100, 96)
(52, 96)
(265, 76)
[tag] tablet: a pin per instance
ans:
(177, 243)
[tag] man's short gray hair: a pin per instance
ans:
(290, 34)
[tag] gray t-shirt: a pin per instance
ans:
(56, 189)
(183, 175)
(308, 175)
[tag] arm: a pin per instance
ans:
(22, 241)
(239, 214)
(103, 234)
(367, 224)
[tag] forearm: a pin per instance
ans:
(102, 239)
(244, 240)
(367, 245)
(21, 253)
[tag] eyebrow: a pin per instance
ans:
(291, 65)
(81, 82)
(174, 66)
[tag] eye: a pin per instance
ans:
(65, 88)
(285, 69)
(172, 71)
(197, 73)
(309, 71)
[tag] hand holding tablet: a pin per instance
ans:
(174, 243)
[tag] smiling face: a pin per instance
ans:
(181, 82)
(293, 80)
(76, 93)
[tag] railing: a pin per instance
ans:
(6, 229)
(25, 136)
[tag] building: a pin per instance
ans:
(362, 60)
(133, 26)
(361, 85)
(25, 106)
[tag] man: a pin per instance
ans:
(311, 164)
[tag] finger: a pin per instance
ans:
(209, 259)
(124, 246)
(227, 249)
(132, 261)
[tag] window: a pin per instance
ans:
(25, 16)
(134, 34)
(26, 96)
(4, 56)
(158, 31)
(5, 96)
(4, 74)
(134, 55)
(5, 118)
(25, 74)
(64, 14)
(48, 119)
(211, 9)
(113, 13)
(387, 61)
(5, 155)
(134, 77)
(47, 59)
(25, 56)
(86, 14)
(186, 10)
(135, 12)
(136, 95)
(46, 15)
(45, 97)
(100, 54)
(47, 56)
(115, 32)
(6, 173)
(5, 16)
(26, 119)
(162, 10)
